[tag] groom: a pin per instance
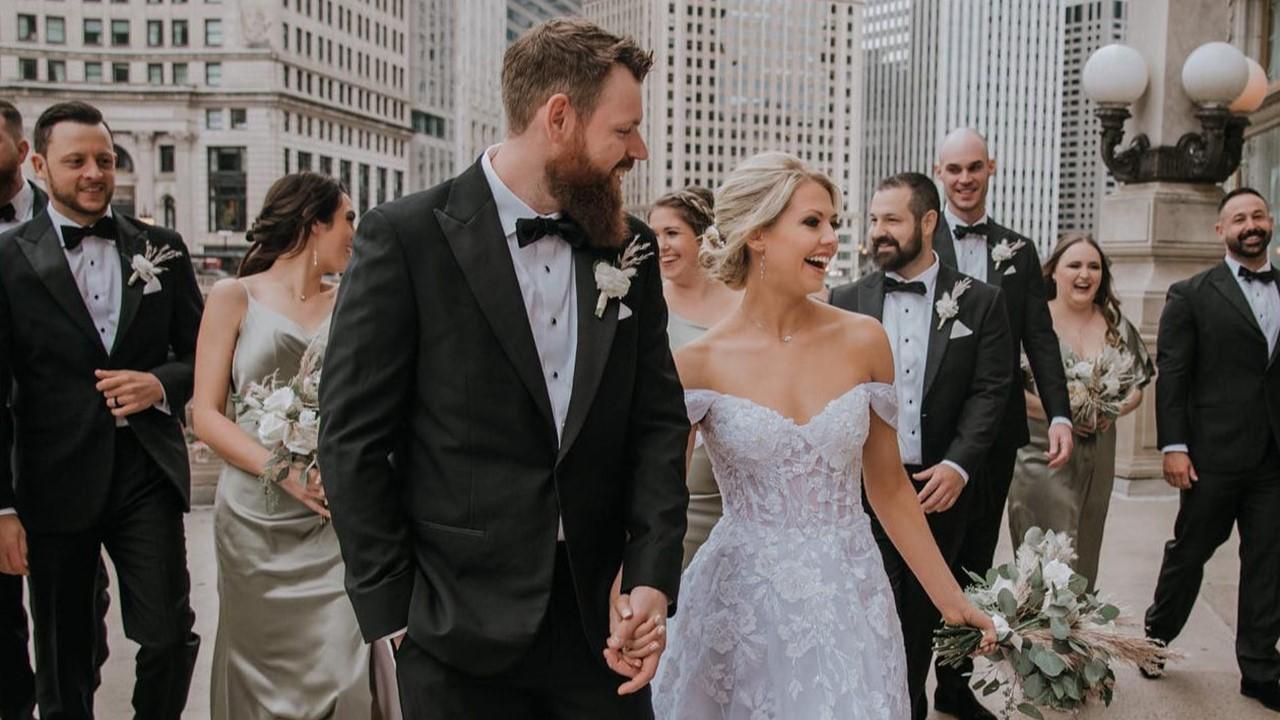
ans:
(500, 434)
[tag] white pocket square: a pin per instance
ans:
(1010, 270)
(959, 330)
(152, 286)
(624, 312)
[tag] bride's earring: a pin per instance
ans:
(315, 258)
(762, 266)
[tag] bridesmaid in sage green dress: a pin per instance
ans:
(695, 302)
(1075, 497)
(287, 644)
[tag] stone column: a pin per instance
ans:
(1159, 233)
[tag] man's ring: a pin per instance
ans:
(113, 402)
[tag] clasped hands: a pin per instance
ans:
(637, 634)
(129, 391)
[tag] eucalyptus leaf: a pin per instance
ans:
(1108, 613)
(1078, 584)
(1030, 711)
(1049, 663)
(1033, 686)
(1008, 603)
(1060, 628)
(1094, 671)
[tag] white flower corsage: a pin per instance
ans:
(148, 265)
(614, 281)
(948, 306)
(1003, 252)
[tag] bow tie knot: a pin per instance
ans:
(963, 231)
(531, 230)
(8, 213)
(893, 285)
(1262, 276)
(105, 228)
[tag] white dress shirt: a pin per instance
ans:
(971, 250)
(908, 321)
(23, 203)
(1264, 300)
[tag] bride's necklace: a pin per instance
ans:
(784, 338)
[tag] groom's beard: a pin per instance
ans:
(591, 197)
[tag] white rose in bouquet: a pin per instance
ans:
(273, 428)
(1057, 574)
(302, 440)
(281, 402)
(1082, 370)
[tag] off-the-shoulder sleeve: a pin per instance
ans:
(698, 402)
(884, 400)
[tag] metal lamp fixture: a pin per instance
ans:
(1216, 77)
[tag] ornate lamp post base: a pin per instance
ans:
(1209, 156)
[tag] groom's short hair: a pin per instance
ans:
(71, 111)
(565, 55)
(924, 193)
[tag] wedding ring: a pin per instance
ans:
(113, 402)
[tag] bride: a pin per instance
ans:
(786, 610)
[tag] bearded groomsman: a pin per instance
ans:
(96, 359)
(1218, 422)
(967, 239)
(951, 348)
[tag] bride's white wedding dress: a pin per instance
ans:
(786, 611)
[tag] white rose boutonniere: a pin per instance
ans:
(948, 306)
(614, 281)
(148, 265)
(1004, 252)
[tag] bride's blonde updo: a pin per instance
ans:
(750, 200)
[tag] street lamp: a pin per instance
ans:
(1216, 77)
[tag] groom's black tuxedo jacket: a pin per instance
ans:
(1218, 387)
(60, 431)
(966, 381)
(1030, 325)
(438, 449)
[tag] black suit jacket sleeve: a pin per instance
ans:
(7, 499)
(1040, 342)
(984, 409)
(177, 376)
(367, 379)
(1175, 356)
(657, 497)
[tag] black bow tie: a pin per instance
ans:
(963, 230)
(893, 285)
(8, 213)
(105, 228)
(1263, 276)
(531, 230)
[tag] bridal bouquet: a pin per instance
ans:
(1056, 643)
(286, 419)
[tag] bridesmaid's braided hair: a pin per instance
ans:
(293, 204)
(695, 205)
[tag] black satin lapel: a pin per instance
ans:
(871, 296)
(480, 247)
(939, 333)
(1230, 289)
(943, 243)
(130, 242)
(595, 340)
(43, 250)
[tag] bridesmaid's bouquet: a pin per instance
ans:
(1097, 387)
(1056, 643)
(286, 419)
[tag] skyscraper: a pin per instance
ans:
(524, 14)
(732, 78)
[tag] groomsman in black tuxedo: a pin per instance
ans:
(952, 374)
(967, 239)
(536, 420)
(1218, 422)
(96, 361)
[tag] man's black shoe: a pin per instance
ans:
(962, 705)
(1267, 693)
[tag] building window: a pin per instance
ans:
(213, 119)
(382, 185)
(213, 33)
(155, 74)
(55, 30)
(304, 161)
(239, 118)
(120, 72)
(227, 189)
(326, 164)
(27, 68)
(57, 71)
(92, 32)
(213, 74)
(364, 188)
(344, 172)
(179, 31)
(166, 158)
(179, 73)
(27, 28)
(399, 189)
(93, 72)
(170, 217)
(286, 161)
(155, 33)
(119, 32)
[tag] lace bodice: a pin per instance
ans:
(773, 471)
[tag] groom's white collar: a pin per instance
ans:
(510, 206)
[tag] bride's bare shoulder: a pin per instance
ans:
(693, 362)
(863, 337)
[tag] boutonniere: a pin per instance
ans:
(148, 265)
(1003, 252)
(614, 281)
(948, 306)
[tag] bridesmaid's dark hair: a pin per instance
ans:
(695, 205)
(1105, 298)
(292, 205)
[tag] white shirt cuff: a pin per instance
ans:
(963, 475)
(8, 511)
(163, 405)
(1176, 447)
(394, 635)
(1061, 421)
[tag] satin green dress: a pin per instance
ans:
(1074, 498)
(287, 644)
(705, 505)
